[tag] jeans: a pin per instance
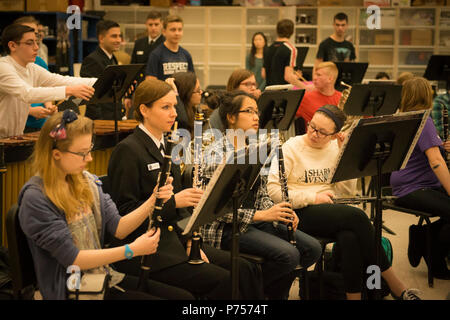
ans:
(281, 258)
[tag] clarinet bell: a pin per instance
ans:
(194, 255)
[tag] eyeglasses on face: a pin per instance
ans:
(250, 111)
(82, 154)
(29, 43)
(249, 84)
(320, 133)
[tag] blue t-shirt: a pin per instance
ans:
(418, 174)
(33, 122)
(162, 62)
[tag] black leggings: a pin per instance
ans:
(354, 234)
(155, 291)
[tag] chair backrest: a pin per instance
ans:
(105, 184)
(21, 261)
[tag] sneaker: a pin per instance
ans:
(410, 294)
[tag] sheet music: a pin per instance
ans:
(344, 145)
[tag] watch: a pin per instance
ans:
(128, 252)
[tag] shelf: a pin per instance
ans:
(427, 48)
(306, 26)
(262, 26)
(375, 46)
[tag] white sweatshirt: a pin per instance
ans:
(19, 87)
(308, 172)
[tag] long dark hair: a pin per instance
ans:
(253, 49)
(185, 82)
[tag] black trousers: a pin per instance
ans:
(155, 291)
(208, 280)
(434, 201)
(353, 232)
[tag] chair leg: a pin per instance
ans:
(320, 271)
(304, 285)
(430, 271)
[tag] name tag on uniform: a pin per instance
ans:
(139, 53)
(153, 166)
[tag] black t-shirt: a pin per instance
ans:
(278, 56)
(330, 50)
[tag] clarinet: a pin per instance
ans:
(445, 133)
(156, 220)
(194, 255)
(284, 192)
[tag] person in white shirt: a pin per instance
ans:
(24, 82)
(309, 160)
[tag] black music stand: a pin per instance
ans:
(373, 100)
(301, 56)
(350, 72)
(112, 85)
(234, 182)
(284, 103)
(438, 68)
(375, 146)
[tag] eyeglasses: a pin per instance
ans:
(29, 43)
(249, 84)
(320, 133)
(82, 154)
(250, 111)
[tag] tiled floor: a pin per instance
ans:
(413, 277)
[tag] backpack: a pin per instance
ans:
(333, 281)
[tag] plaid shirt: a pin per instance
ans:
(440, 102)
(212, 232)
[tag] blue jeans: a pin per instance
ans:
(281, 257)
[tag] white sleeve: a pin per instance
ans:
(50, 86)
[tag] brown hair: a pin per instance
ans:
(237, 77)
(417, 94)
(185, 82)
(285, 28)
(336, 113)
(26, 19)
(404, 76)
(148, 92)
(154, 15)
(79, 194)
(14, 33)
(171, 18)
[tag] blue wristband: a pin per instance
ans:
(128, 252)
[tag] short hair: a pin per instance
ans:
(382, 74)
(26, 19)
(285, 28)
(417, 94)
(340, 16)
(237, 77)
(171, 18)
(147, 92)
(153, 15)
(14, 32)
(104, 25)
(330, 66)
